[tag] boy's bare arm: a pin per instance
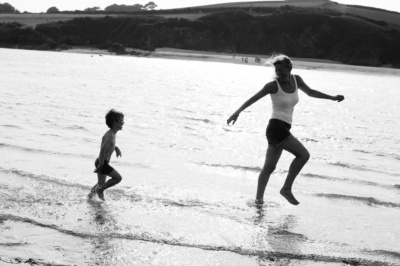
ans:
(118, 152)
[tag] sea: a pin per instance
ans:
(188, 179)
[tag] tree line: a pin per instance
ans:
(7, 8)
(112, 8)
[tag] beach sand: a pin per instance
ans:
(173, 53)
(181, 54)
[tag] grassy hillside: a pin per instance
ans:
(376, 14)
(371, 13)
(32, 20)
(274, 4)
(193, 13)
(312, 29)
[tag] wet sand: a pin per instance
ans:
(187, 215)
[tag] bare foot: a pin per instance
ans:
(92, 192)
(259, 202)
(289, 196)
(100, 193)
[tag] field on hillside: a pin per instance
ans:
(34, 19)
(297, 3)
(392, 18)
(188, 16)
(375, 14)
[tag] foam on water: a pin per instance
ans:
(189, 180)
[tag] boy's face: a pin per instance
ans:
(119, 123)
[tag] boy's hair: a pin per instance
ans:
(113, 116)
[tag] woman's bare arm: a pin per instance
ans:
(267, 89)
(314, 93)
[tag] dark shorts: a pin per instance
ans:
(278, 132)
(106, 167)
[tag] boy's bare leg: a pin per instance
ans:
(295, 147)
(101, 181)
(115, 179)
(92, 191)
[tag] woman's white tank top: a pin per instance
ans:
(283, 103)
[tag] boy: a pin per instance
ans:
(115, 121)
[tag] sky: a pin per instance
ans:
(62, 5)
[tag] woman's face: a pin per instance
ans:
(282, 70)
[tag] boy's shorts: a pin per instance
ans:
(278, 132)
(106, 167)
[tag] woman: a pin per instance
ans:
(284, 96)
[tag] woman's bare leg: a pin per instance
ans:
(295, 147)
(272, 158)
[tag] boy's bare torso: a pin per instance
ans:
(108, 139)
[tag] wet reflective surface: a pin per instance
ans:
(189, 180)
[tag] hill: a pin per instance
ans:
(389, 17)
(192, 13)
(310, 29)
(274, 4)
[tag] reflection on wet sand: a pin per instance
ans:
(277, 239)
(282, 239)
(104, 251)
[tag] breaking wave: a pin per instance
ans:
(370, 201)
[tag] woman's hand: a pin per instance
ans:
(232, 119)
(338, 98)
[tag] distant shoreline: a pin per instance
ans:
(301, 63)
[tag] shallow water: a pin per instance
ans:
(189, 180)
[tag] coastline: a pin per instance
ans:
(173, 53)
(181, 54)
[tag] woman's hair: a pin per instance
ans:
(113, 116)
(276, 59)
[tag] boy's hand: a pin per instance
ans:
(98, 169)
(118, 152)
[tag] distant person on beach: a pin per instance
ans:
(284, 96)
(115, 121)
